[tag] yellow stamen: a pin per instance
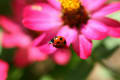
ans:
(70, 5)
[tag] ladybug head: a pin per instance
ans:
(51, 41)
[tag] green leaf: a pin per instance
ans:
(96, 43)
(14, 73)
(46, 77)
(111, 43)
(115, 15)
(80, 72)
(105, 49)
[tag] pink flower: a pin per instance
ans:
(14, 36)
(3, 70)
(28, 55)
(80, 23)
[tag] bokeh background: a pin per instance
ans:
(104, 64)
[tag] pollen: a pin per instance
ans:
(73, 13)
(70, 5)
(36, 7)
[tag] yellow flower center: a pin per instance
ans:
(73, 13)
(70, 5)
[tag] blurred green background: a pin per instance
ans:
(104, 64)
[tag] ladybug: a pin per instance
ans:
(58, 42)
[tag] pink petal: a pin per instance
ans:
(55, 3)
(18, 6)
(39, 39)
(84, 47)
(43, 41)
(3, 70)
(26, 56)
(8, 41)
(68, 33)
(45, 37)
(34, 54)
(47, 48)
(41, 17)
(24, 40)
(92, 5)
(75, 45)
(15, 40)
(112, 25)
(12, 34)
(108, 9)
(95, 30)
(21, 58)
(114, 32)
(9, 26)
(62, 56)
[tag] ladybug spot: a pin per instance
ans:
(64, 42)
(61, 38)
(58, 42)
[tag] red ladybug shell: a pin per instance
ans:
(58, 42)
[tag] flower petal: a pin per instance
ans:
(41, 17)
(95, 30)
(62, 56)
(47, 48)
(15, 40)
(92, 5)
(108, 9)
(21, 58)
(39, 39)
(68, 33)
(75, 45)
(112, 25)
(26, 56)
(84, 47)
(34, 54)
(43, 41)
(3, 70)
(55, 3)
(8, 25)
(18, 6)
(45, 37)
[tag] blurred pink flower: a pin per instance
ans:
(13, 36)
(28, 55)
(3, 70)
(92, 25)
